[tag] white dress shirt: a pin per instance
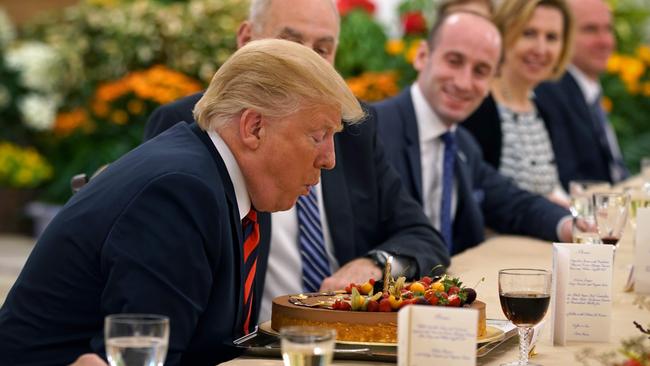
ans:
(432, 149)
(236, 176)
(284, 271)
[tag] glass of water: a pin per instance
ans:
(307, 346)
(136, 339)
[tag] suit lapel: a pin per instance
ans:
(411, 137)
(338, 209)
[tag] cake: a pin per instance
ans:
(362, 325)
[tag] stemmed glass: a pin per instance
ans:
(524, 294)
(582, 207)
(136, 339)
(645, 172)
(611, 215)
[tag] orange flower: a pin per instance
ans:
(119, 117)
(643, 52)
(412, 51)
(373, 86)
(646, 88)
(607, 104)
(135, 106)
(614, 63)
(67, 122)
(394, 47)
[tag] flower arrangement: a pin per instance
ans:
(627, 87)
(22, 167)
(635, 351)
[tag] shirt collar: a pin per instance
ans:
(590, 88)
(236, 176)
(429, 125)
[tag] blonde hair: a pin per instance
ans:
(276, 78)
(511, 17)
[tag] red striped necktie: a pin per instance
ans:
(251, 230)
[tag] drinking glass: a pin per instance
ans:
(524, 295)
(136, 339)
(639, 198)
(611, 215)
(645, 172)
(582, 207)
(307, 346)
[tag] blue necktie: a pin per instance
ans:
(446, 221)
(608, 141)
(315, 264)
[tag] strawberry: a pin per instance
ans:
(426, 280)
(345, 306)
(453, 290)
(373, 306)
(454, 301)
(433, 300)
(371, 281)
(384, 306)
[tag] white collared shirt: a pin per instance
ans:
(430, 128)
(236, 176)
(284, 271)
(591, 89)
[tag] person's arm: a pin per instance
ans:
(89, 359)
(155, 258)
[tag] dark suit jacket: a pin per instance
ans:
(485, 125)
(157, 232)
(565, 98)
(484, 196)
(365, 202)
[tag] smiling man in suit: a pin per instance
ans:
(175, 227)
(577, 95)
(439, 162)
(360, 213)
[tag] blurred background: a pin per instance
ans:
(78, 79)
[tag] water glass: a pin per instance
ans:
(611, 215)
(307, 346)
(524, 295)
(136, 339)
(639, 198)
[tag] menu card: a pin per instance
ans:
(642, 262)
(582, 292)
(436, 335)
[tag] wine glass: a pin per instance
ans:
(582, 207)
(524, 295)
(611, 215)
(136, 339)
(645, 172)
(639, 198)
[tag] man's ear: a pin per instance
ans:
(251, 128)
(244, 33)
(421, 56)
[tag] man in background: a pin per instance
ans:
(577, 95)
(440, 162)
(347, 227)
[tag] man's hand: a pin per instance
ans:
(566, 231)
(358, 271)
(89, 359)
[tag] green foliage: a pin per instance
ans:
(361, 45)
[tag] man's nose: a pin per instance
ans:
(327, 156)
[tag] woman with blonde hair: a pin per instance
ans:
(518, 138)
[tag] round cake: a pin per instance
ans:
(354, 326)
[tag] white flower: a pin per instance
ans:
(37, 63)
(38, 111)
(5, 97)
(7, 31)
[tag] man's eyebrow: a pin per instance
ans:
(293, 33)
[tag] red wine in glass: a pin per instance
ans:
(524, 308)
(611, 240)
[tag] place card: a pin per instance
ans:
(642, 261)
(436, 335)
(582, 293)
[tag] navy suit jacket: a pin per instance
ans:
(484, 196)
(485, 126)
(157, 232)
(565, 98)
(365, 202)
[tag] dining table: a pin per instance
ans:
(478, 267)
